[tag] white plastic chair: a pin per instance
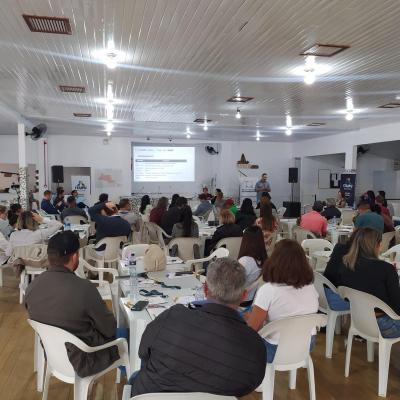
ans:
(221, 252)
(281, 211)
(393, 253)
(139, 250)
(310, 246)
(185, 247)
(300, 234)
(76, 220)
(347, 216)
(173, 396)
(58, 364)
(386, 239)
(293, 350)
(232, 244)
(364, 324)
(397, 233)
(333, 325)
(155, 234)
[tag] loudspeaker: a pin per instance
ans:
(57, 173)
(293, 175)
(293, 209)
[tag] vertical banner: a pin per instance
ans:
(348, 185)
(81, 183)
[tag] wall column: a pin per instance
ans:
(23, 168)
(351, 159)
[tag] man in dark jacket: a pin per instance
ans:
(173, 215)
(73, 210)
(209, 348)
(108, 222)
(46, 204)
(60, 298)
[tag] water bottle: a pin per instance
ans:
(67, 226)
(334, 221)
(199, 293)
(133, 279)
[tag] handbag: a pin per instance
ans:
(154, 259)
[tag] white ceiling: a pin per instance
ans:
(185, 58)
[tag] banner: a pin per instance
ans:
(348, 185)
(81, 183)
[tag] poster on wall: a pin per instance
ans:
(108, 178)
(81, 183)
(348, 186)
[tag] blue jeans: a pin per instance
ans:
(271, 348)
(390, 328)
(336, 303)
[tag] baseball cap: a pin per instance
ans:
(63, 244)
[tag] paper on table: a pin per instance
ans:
(155, 312)
(157, 300)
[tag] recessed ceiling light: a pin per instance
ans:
(109, 126)
(288, 121)
(239, 99)
(82, 115)
(188, 136)
(390, 105)
(324, 50)
(110, 111)
(288, 132)
(238, 114)
(108, 133)
(205, 127)
(258, 138)
(72, 89)
(109, 56)
(42, 24)
(349, 116)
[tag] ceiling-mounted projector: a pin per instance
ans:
(37, 132)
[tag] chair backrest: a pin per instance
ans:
(154, 233)
(185, 247)
(386, 239)
(362, 310)
(301, 234)
(75, 220)
(294, 337)
(320, 282)
(182, 396)
(393, 253)
(138, 249)
(35, 252)
(113, 247)
(397, 234)
(281, 211)
(347, 216)
(232, 244)
(312, 245)
(54, 340)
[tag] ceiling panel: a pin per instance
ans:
(184, 58)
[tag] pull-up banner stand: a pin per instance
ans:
(348, 185)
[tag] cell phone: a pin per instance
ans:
(140, 305)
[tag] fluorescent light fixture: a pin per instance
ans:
(205, 127)
(109, 56)
(110, 93)
(108, 133)
(110, 111)
(288, 132)
(349, 116)
(349, 104)
(187, 130)
(258, 133)
(238, 114)
(288, 121)
(258, 138)
(109, 126)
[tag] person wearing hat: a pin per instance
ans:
(331, 211)
(313, 221)
(60, 298)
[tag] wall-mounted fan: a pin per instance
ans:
(37, 132)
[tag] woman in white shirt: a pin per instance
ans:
(252, 255)
(289, 291)
(29, 231)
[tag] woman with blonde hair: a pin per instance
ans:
(28, 231)
(359, 267)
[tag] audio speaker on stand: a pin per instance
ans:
(57, 174)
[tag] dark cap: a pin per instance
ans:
(318, 206)
(63, 244)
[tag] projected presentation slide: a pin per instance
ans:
(163, 164)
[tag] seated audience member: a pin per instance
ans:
(388, 225)
(228, 228)
(204, 207)
(14, 212)
(252, 255)
(60, 298)
(331, 211)
(218, 200)
(145, 208)
(368, 196)
(125, 212)
(173, 215)
(12, 220)
(108, 222)
(230, 205)
(382, 193)
(3, 249)
(158, 211)
(266, 200)
(358, 266)
(206, 193)
(46, 205)
(188, 363)
(174, 198)
(5, 227)
(289, 291)
(72, 209)
(185, 228)
(341, 199)
(313, 221)
(268, 224)
(246, 216)
(28, 231)
(103, 198)
(79, 204)
(59, 202)
(368, 219)
(380, 201)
